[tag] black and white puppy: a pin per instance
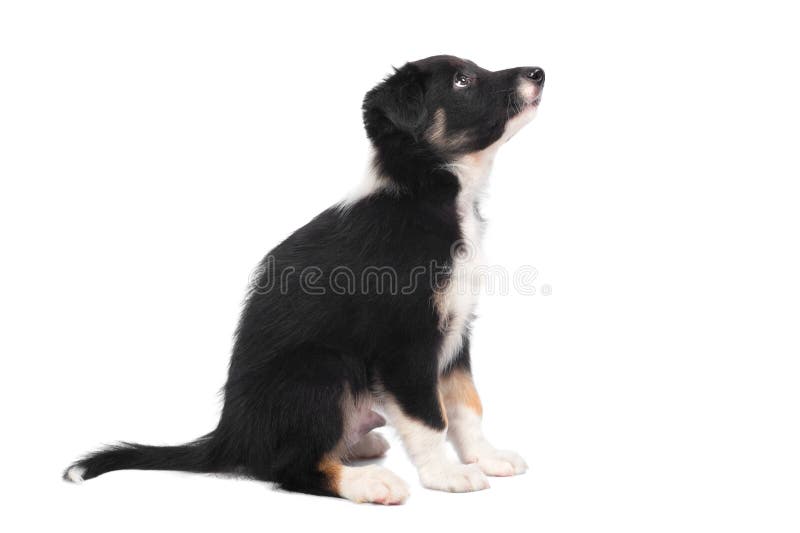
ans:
(368, 306)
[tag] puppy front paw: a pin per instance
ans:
(452, 477)
(500, 463)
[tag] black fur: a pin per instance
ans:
(298, 354)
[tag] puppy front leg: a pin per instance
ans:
(417, 414)
(464, 413)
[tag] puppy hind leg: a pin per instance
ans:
(372, 483)
(309, 431)
(364, 484)
(361, 441)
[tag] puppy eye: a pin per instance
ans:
(462, 80)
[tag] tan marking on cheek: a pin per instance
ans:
(435, 133)
(331, 468)
(457, 388)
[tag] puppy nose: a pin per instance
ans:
(535, 74)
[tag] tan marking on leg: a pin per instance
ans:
(442, 407)
(371, 483)
(464, 432)
(457, 388)
(331, 468)
(426, 447)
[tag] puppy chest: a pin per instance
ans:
(456, 301)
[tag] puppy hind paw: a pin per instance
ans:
(372, 484)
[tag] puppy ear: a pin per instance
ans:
(398, 103)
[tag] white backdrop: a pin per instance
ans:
(152, 152)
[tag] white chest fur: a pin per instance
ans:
(456, 302)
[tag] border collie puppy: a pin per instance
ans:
(368, 306)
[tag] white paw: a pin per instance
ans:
(373, 484)
(453, 477)
(370, 446)
(499, 463)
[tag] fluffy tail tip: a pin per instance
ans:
(74, 474)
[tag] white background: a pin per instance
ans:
(151, 152)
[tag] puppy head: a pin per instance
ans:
(452, 105)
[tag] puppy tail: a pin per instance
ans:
(191, 457)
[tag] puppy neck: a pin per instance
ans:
(420, 172)
(473, 170)
(412, 167)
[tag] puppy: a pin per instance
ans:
(368, 306)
